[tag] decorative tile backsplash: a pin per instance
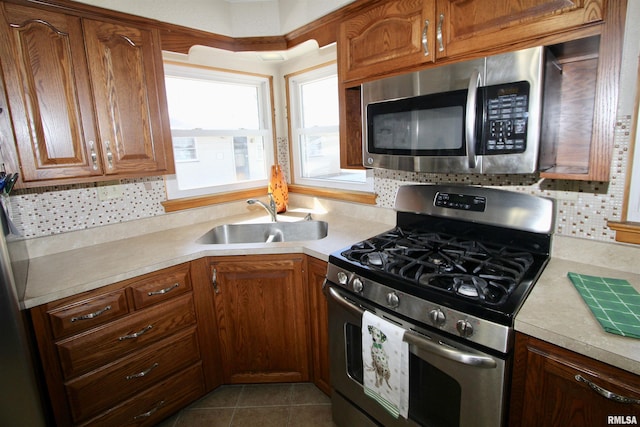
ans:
(582, 208)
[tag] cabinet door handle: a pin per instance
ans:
(94, 156)
(142, 373)
(135, 334)
(164, 291)
(149, 412)
(90, 315)
(439, 33)
(606, 393)
(109, 154)
(425, 39)
(214, 281)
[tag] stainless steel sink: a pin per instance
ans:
(265, 232)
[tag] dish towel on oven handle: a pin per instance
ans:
(385, 356)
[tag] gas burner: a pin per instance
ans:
(469, 268)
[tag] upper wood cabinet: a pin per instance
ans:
(392, 35)
(86, 97)
(473, 25)
(386, 36)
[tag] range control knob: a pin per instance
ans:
(357, 285)
(464, 327)
(392, 300)
(437, 317)
(342, 278)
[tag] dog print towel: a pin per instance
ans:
(386, 364)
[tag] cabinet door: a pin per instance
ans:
(49, 93)
(473, 25)
(388, 36)
(128, 84)
(260, 306)
(555, 387)
(319, 319)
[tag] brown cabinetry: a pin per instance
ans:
(391, 35)
(260, 305)
(86, 96)
(556, 387)
(124, 354)
(318, 322)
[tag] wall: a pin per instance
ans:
(583, 208)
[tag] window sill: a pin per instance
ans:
(345, 195)
(626, 232)
(200, 201)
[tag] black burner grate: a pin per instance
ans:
(473, 270)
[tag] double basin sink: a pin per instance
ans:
(265, 232)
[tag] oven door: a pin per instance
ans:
(450, 384)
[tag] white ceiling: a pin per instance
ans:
(234, 18)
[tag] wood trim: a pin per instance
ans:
(348, 196)
(232, 196)
(179, 39)
(626, 232)
(200, 201)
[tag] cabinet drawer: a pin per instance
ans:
(160, 287)
(96, 391)
(157, 402)
(99, 346)
(83, 315)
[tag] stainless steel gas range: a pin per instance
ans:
(451, 276)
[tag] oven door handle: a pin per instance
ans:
(423, 345)
(447, 352)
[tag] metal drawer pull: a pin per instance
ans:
(439, 33)
(606, 393)
(135, 334)
(143, 373)
(214, 281)
(425, 40)
(149, 412)
(164, 291)
(90, 315)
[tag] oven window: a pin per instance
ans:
(353, 337)
(434, 397)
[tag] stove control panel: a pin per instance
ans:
(454, 322)
(460, 201)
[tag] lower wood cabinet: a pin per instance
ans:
(553, 387)
(261, 307)
(124, 354)
(319, 326)
(134, 352)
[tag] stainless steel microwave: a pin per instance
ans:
(494, 115)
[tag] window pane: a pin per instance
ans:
(320, 155)
(222, 160)
(320, 102)
(184, 149)
(207, 104)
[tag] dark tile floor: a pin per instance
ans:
(265, 405)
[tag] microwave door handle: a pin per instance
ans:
(470, 126)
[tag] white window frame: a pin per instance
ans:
(294, 82)
(263, 83)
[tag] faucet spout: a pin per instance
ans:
(271, 208)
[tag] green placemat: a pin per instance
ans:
(614, 303)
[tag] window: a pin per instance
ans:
(221, 128)
(313, 106)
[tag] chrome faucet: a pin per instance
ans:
(271, 208)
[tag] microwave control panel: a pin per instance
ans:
(506, 112)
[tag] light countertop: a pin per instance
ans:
(553, 312)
